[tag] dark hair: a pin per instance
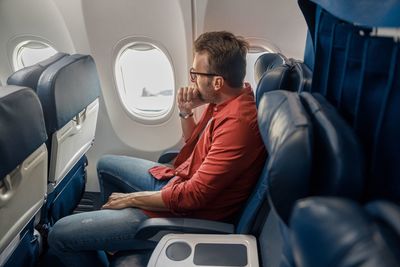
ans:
(226, 55)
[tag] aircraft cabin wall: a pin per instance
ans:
(107, 29)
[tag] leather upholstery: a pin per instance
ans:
(338, 232)
(338, 167)
(286, 131)
(22, 128)
(279, 73)
(66, 88)
(267, 62)
(29, 76)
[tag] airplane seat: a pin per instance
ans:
(285, 129)
(29, 76)
(267, 62)
(23, 174)
(68, 90)
(357, 69)
(339, 232)
(274, 72)
(301, 75)
(337, 167)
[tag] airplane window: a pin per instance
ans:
(145, 80)
(31, 52)
(252, 55)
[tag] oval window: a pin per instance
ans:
(29, 53)
(145, 80)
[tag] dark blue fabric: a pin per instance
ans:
(360, 75)
(66, 88)
(27, 252)
(66, 196)
(366, 12)
(22, 128)
(29, 76)
(309, 55)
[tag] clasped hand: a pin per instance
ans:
(189, 98)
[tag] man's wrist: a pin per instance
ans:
(185, 115)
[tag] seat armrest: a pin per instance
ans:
(205, 250)
(154, 227)
(168, 156)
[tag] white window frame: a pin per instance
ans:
(16, 60)
(137, 115)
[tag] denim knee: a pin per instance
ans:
(59, 234)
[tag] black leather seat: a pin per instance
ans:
(339, 232)
(337, 167)
(275, 72)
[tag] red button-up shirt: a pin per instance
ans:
(219, 165)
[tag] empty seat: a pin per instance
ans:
(23, 173)
(68, 90)
(337, 166)
(29, 76)
(339, 232)
(274, 71)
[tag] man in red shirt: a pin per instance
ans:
(211, 177)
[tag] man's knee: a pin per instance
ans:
(59, 235)
(106, 163)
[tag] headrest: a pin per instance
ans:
(22, 128)
(292, 75)
(338, 232)
(66, 88)
(29, 76)
(301, 75)
(267, 62)
(338, 168)
(286, 131)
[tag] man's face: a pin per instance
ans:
(204, 83)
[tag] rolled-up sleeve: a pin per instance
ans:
(232, 143)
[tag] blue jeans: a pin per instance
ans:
(81, 239)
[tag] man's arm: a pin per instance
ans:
(148, 200)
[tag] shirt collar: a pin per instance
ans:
(246, 90)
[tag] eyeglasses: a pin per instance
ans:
(193, 74)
